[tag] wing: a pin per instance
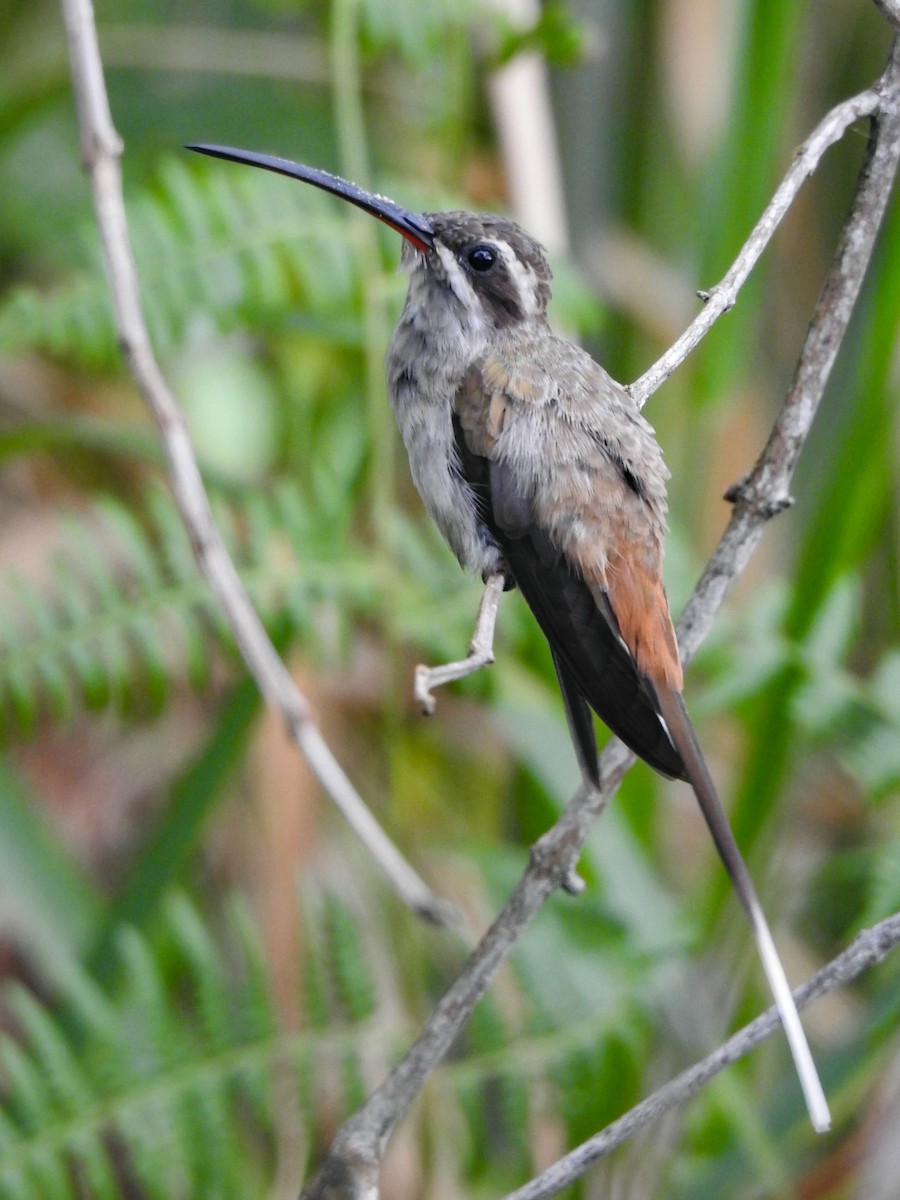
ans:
(592, 660)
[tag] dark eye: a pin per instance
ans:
(481, 257)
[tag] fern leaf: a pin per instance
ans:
(237, 246)
(315, 996)
(205, 969)
(255, 1015)
(351, 973)
(94, 1167)
(178, 1081)
(61, 1074)
(175, 1101)
(125, 614)
(28, 1100)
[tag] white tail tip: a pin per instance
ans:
(813, 1094)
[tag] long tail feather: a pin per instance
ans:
(580, 722)
(679, 724)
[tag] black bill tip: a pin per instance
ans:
(411, 225)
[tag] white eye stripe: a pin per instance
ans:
(522, 275)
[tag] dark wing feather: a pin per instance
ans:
(580, 722)
(591, 660)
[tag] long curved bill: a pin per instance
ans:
(413, 226)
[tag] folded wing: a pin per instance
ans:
(593, 663)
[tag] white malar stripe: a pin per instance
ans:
(459, 285)
(522, 275)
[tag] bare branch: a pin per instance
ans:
(350, 1170)
(722, 297)
(765, 491)
(867, 950)
(481, 649)
(100, 150)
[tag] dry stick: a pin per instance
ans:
(867, 950)
(350, 1169)
(720, 298)
(101, 148)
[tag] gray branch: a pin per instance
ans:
(722, 297)
(867, 950)
(350, 1169)
(101, 148)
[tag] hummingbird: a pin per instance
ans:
(536, 465)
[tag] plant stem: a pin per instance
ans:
(354, 162)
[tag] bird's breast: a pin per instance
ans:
(424, 373)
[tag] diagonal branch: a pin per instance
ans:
(765, 491)
(867, 950)
(350, 1169)
(722, 297)
(101, 148)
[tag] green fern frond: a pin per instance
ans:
(352, 978)
(166, 1081)
(125, 615)
(180, 1077)
(233, 247)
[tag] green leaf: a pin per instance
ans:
(58, 907)
(170, 846)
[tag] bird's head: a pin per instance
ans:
(487, 264)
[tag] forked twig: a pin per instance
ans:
(722, 297)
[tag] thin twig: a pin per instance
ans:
(720, 298)
(101, 148)
(866, 951)
(350, 1169)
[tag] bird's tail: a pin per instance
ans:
(682, 732)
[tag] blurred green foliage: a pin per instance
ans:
(162, 1040)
